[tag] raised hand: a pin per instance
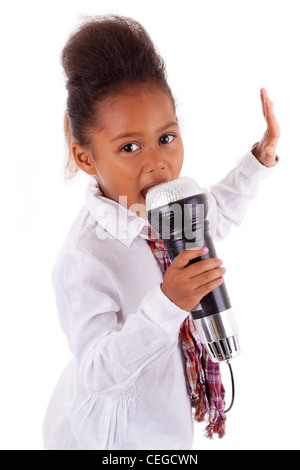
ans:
(265, 150)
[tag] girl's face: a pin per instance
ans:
(137, 146)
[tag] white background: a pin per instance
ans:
(218, 53)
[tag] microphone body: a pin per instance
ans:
(181, 223)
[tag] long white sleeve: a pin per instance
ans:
(229, 199)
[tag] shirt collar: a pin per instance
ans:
(114, 220)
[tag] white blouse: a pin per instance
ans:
(125, 387)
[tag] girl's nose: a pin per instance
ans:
(154, 161)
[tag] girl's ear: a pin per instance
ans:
(83, 158)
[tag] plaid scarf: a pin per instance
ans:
(203, 377)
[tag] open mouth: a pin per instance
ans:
(145, 190)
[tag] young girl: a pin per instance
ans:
(127, 387)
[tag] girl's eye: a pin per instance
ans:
(130, 148)
(166, 139)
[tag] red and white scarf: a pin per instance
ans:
(204, 383)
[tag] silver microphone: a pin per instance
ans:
(177, 211)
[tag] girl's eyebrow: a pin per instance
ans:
(135, 134)
(170, 124)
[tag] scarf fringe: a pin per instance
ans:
(218, 427)
(216, 419)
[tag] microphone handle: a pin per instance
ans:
(216, 301)
(184, 225)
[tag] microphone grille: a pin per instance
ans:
(172, 191)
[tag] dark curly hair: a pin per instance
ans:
(101, 58)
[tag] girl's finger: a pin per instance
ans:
(207, 277)
(209, 287)
(195, 269)
(183, 259)
(273, 126)
(263, 96)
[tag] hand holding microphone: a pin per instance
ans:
(186, 284)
